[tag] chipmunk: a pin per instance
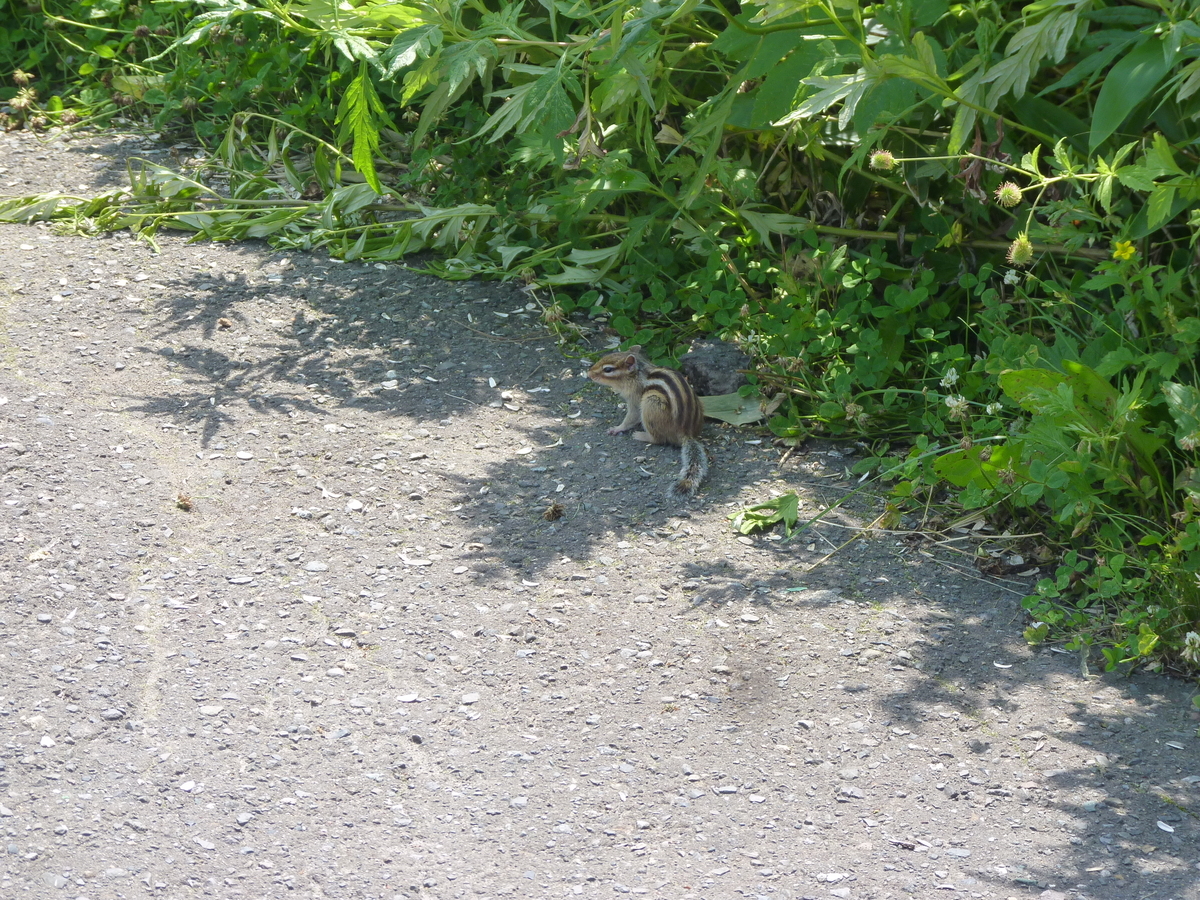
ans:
(664, 403)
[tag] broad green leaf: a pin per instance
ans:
(1188, 330)
(927, 12)
(1096, 62)
(1129, 83)
(969, 92)
(982, 465)
(738, 410)
(427, 74)
(886, 102)
(509, 254)
(573, 275)
(776, 96)
(770, 50)
(599, 257)
(1051, 118)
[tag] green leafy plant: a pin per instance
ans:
(783, 509)
(966, 232)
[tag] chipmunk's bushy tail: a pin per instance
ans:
(695, 467)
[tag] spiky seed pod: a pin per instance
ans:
(1008, 195)
(1020, 252)
(882, 160)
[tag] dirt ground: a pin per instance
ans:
(280, 616)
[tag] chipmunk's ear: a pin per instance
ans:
(636, 348)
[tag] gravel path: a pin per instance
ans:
(280, 615)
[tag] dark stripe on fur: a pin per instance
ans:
(679, 396)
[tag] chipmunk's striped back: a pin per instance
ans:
(686, 413)
(665, 404)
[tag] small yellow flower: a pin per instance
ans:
(1020, 251)
(1124, 250)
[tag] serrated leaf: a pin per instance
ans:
(830, 90)
(409, 46)
(358, 116)
(924, 47)
(784, 509)
(766, 224)
(1138, 177)
(1103, 191)
(1048, 38)
(1158, 207)
(1161, 158)
(354, 48)
(1029, 162)
(511, 112)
